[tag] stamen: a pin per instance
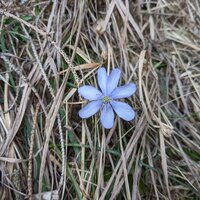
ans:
(106, 99)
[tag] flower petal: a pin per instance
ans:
(89, 92)
(123, 110)
(113, 80)
(90, 109)
(123, 91)
(107, 116)
(102, 79)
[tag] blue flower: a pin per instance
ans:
(106, 98)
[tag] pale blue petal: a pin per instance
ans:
(90, 109)
(123, 110)
(113, 80)
(107, 116)
(89, 92)
(123, 91)
(102, 79)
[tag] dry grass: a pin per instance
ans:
(48, 49)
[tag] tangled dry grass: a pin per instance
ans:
(48, 49)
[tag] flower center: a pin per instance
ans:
(106, 99)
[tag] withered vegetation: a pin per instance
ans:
(50, 48)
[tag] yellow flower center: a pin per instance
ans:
(106, 99)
